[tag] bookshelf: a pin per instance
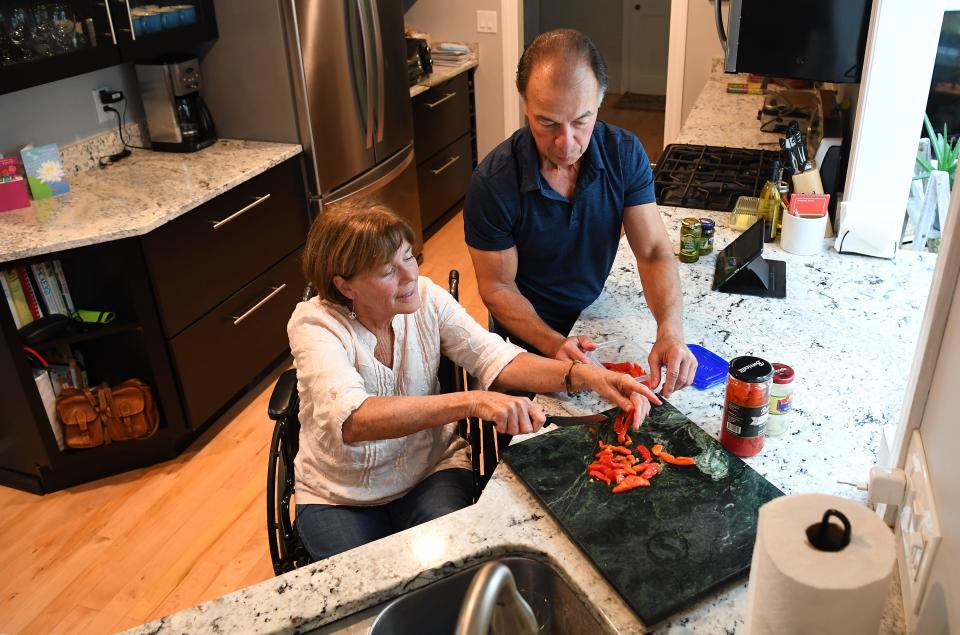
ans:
(196, 367)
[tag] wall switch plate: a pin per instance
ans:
(103, 116)
(918, 526)
(486, 21)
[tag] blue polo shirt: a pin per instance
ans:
(565, 247)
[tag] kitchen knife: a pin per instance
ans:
(584, 420)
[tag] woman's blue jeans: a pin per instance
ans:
(327, 530)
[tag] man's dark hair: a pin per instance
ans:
(562, 44)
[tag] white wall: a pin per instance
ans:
(62, 112)
(601, 20)
(702, 45)
(940, 432)
(893, 95)
(457, 20)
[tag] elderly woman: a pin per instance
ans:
(378, 452)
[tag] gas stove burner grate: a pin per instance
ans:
(710, 177)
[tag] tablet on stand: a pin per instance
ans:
(742, 269)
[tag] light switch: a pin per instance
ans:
(918, 528)
(486, 21)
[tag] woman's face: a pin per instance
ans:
(379, 293)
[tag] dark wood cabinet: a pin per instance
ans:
(223, 244)
(248, 280)
(445, 142)
(44, 41)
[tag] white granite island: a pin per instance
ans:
(849, 326)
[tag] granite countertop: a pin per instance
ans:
(441, 74)
(134, 196)
(845, 318)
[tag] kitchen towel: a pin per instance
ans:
(797, 588)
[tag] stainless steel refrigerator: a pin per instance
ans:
(330, 75)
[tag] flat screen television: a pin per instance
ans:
(819, 40)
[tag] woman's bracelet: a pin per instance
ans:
(568, 378)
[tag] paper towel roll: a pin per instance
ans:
(796, 588)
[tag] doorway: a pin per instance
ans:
(633, 37)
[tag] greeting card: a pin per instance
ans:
(13, 188)
(45, 173)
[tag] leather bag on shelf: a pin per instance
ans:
(82, 425)
(94, 417)
(128, 410)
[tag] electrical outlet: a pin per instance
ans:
(918, 529)
(103, 116)
(486, 21)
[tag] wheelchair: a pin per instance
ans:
(286, 550)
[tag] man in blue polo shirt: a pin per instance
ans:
(544, 210)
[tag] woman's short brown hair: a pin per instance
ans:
(349, 239)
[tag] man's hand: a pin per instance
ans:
(513, 415)
(573, 348)
(681, 365)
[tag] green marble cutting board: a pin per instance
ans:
(664, 546)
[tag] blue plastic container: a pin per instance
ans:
(137, 25)
(711, 368)
(151, 23)
(170, 18)
(188, 14)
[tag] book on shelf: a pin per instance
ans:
(15, 299)
(62, 284)
(33, 291)
(47, 290)
(30, 293)
(49, 398)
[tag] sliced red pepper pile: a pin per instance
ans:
(617, 465)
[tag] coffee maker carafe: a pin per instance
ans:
(177, 118)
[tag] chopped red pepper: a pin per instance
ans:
(627, 484)
(619, 449)
(651, 471)
(644, 452)
(676, 460)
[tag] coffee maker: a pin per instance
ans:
(177, 118)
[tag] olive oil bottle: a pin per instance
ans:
(768, 209)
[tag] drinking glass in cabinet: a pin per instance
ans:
(16, 42)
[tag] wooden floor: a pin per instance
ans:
(129, 549)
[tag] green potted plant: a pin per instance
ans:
(945, 152)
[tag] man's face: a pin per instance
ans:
(561, 106)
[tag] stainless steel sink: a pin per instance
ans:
(434, 608)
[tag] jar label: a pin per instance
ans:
(747, 422)
(781, 405)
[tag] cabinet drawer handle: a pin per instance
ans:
(217, 224)
(446, 165)
(251, 310)
(441, 100)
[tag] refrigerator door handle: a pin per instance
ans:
(368, 68)
(375, 179)
(378, 42)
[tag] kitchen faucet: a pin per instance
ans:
(493, 597)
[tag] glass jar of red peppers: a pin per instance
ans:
(747, 405)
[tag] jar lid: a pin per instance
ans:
(751, 369)
(690, 221)
(782, 374)
(706, 223)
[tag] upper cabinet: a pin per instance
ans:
(41, 42)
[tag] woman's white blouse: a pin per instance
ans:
(337, 371)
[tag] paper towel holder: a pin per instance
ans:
(826, 536)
